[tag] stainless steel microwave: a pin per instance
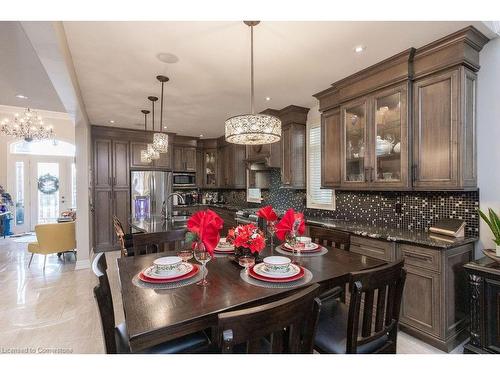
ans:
(184, 179)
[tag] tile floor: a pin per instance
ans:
(55, 309)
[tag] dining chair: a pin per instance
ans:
(116, 337)
(370, 323)
(147, 243)
(329, 237)
(284, 326)
(125, 239)
(53, 238)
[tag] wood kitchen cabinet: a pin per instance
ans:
(184, 159)
(231, 166)
(369, 115)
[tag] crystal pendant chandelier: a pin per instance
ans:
(253, 129)
(160, 140)
(29, 127)
(153, 153)
(145, 156)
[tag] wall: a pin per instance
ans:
(488, 135)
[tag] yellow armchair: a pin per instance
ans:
(53, 238)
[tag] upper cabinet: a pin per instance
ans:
(231, 166)
(421, 100)
(184, 154)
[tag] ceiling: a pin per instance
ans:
(22, 73)
(116, 65)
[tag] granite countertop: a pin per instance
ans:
(155, 224)
(209, 205)
(415, 236)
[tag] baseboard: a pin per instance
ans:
(446, 346)
(82, 264)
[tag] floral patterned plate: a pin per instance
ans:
(273, 279)
(188, 275)
(184, 268)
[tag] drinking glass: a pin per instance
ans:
(203, 257)
(271, 229)
(246, 261)
(291, 239)
(185, 254)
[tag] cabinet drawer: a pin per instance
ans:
(373, 248)
(421, 257)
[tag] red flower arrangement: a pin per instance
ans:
(204, 226)
(247, 236)
(292, 224)
(267, 213)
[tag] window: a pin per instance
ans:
(316, 197)
(73, 185)
(19, 193)
(45, 147)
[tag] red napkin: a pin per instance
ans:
(290, 220)
(206, 225)
(267, 213)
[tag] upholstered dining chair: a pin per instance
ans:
(125, 239)
(147, 243)
(284, 326)
(116, 338)
(52, 239)
(370, 323)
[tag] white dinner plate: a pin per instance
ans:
(260, 269)
(184, 268)
(310, 247)
(224, 248)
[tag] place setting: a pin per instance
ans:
(223, 248)
(302, 247)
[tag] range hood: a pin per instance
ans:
(258, 163)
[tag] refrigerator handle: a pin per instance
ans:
(152, 193)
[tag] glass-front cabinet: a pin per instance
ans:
(355, 130)
(210, 165)
(375, 139)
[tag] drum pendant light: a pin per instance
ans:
(160, 140)
(252, 129)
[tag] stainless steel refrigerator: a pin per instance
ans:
(149, 191)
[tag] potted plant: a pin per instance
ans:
(247, 240)
(493, 222)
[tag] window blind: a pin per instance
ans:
(316, 197)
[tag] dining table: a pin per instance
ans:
(154, 316)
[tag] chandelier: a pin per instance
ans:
(153, 153)
(160, 140)
(253, 129)
(145, 156)
(29, 127)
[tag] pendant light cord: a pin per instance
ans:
(161, 109)
(251, 71)
(152, 101)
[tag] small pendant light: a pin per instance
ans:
(145, 157)
(155, 155)
(160, 140)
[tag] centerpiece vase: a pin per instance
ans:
(244, 251)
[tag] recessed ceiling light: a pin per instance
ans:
(111, 121)
(359, 49)
(167, 57)
(268, 98)
(201, 135)
(21, 96)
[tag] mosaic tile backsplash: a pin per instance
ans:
(419, 210)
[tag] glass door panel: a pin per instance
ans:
(388, 138)
(210, 168)
(355, 143)
(48, 192)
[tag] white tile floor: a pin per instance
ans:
(56, 308)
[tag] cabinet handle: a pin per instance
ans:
(418, 256)
(109, 181)
(367, 173)
(415, 172)
(114, 180)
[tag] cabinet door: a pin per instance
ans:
(286, 144)
(178, 161)
(436, 109)
(102, 164)
(103, 212)
(210, 168)
(121, 209)
(239, 167)
(389, 141)
(165, 160)
(189, 159)
(222, 167)
(199, 168)
(420, 307)
(355, 155)
(331, 146)
(120, 164)
(135, 151)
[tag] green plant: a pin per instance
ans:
(493, 222)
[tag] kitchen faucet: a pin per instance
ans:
(181, 199)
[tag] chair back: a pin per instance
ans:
(375, 301)
(120, 233)
(290, 323)
(55, 237)
(147, 243)
(329, 237)
(102, 294)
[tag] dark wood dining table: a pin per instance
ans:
(154, 316)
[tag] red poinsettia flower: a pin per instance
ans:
(248, 236)
(267, 213)
(206, 225)
(291, 222)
